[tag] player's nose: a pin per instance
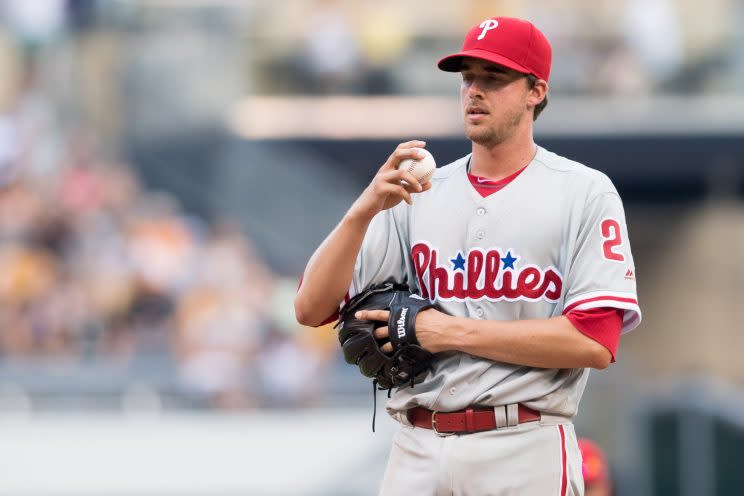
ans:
(475, 89)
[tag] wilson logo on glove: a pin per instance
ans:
(402, 323)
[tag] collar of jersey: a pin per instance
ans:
(485, 182)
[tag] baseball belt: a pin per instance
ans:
(469, 420)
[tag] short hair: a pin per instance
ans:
(531, 81)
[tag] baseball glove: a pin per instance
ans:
(409, 362)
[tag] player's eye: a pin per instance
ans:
(498, 76)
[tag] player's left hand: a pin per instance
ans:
(431, 328)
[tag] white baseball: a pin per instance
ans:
(421, 169)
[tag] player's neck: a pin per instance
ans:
(504, 159)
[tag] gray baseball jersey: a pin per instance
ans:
(553, 240)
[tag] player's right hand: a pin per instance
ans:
(390, 186)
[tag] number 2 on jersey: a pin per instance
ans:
(610, 230)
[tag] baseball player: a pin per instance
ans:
(527, 255)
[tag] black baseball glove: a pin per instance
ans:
(409, 362)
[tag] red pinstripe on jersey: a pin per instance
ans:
(564, 472)
(607, 298)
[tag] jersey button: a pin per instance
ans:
(452, 391)
(481, 211)
(479, 312)
(480, 234)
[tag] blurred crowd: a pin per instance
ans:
(99, 273)
(96, 269)
(388, 47)
(631, 47)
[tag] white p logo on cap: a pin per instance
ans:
(486, 26)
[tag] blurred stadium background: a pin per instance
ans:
(168, 166)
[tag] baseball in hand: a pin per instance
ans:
(421, 169)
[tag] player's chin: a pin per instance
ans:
(479, 134)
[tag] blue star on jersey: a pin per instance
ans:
(459, 262)
(509, 260)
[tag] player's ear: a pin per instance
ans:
(537, 92)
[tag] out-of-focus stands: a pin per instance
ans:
(146, 69)
(108, 288)
(383, 47)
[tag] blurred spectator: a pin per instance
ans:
(330, 56)
(653, 32)
(81, 14)
(597, 481)
(619, 71)
(34, 22)
(294, 358)
(384, 36)
(221, 321)
(288, 370)
(217, 337)
(11, 69)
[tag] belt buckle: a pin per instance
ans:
(434, 426)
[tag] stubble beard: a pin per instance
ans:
(490, 136)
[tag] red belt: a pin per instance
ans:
(465, 421)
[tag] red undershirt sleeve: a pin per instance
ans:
(331, 318)
(603, 325)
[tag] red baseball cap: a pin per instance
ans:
(507, 41)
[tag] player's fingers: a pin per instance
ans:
(398, 191)
(403, 178)
(404, 153)
(412, 144)
(401, 154)
(387, 348)
(426, 186)
(411, 188)
(381, 332)
(411, 183)
(403, 193)
(372, 315)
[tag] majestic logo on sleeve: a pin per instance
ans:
(483, 274)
